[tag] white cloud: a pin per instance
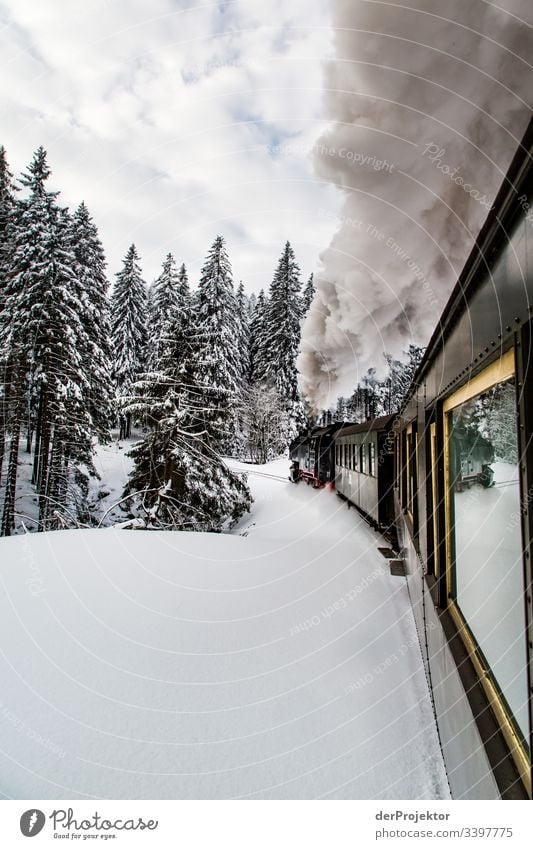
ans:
(162, 117)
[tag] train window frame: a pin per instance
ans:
(410, 469)
(372, 458)
(433, 454)
(497, 372)
(363, 458)
(402, 471)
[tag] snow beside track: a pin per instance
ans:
(280, 661)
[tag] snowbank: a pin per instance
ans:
(277, 662)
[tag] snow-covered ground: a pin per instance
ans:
(106, 504)
(280, 661)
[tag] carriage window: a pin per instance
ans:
(363, 458)
(402, 469)
(485, 552)
(434, 498)
(372, 458)
(355, 452)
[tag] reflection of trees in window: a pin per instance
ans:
(501, 422)
(485, 428)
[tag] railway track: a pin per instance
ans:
(260, 474)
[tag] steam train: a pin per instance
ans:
(449, 478)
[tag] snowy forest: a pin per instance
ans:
(197, 374)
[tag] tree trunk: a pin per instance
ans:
(38, 430)
(54, 480)
(4, 415)
(12, 469)
(44, 463)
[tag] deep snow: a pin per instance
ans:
(280, 661)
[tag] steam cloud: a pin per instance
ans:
(428, 105)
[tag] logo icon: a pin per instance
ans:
(32, 822)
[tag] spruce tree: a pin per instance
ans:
(7, 224)
(164, 303)
(90, 270)
(258, 339)
(43, 340)
(282, 337)
(243, 323)
(174, 349)
(307, 296)
(252, 300)
(128, 327)
(179, 480)
(216, 347)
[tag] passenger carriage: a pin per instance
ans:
(453, 472)
(464, 505)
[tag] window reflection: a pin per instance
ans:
(486, 537)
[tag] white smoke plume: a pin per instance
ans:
(428, 103)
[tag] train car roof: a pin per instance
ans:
(324, 430)
(379, 423)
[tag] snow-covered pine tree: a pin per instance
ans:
(174, 347)
(244, 332)
(7, 221)
(282, 337)
(90, 270)
(150, 315)
(252, 300)
(258, 339)
(164, 303)
(7, 212)
(128, 327)
(307, 296)
(239, 446)
(43, 339)
(400, 376)
(179, 480)
(341, 414)
(216, 347)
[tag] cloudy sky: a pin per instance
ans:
(176, 120)
(373, 134)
